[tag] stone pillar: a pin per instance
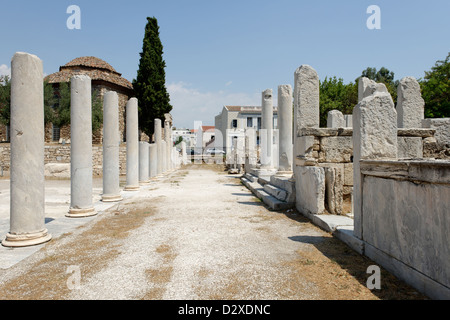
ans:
(367, 87)
(159, 142)
(306, 98)
(111, 138)
(81, 147)
(266, 135)
(285, 123)
(410, 104)
(132, 136)
(374, 137)
(164, 156)
(336, 119)
(143, 163)
(183, 153)
(168, 139)
(250, 150)
(27, 202)
(153, 159)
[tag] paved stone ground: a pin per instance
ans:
(195, 233)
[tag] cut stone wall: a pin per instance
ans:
(56, 153)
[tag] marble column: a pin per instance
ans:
(153, 160)
(158, 142)
(184, 160)
(285, 123)
(266, 136)
(132, 136)
(27, 202)
(81, 147)
(111, 189)
(143, 163)
(168, 139)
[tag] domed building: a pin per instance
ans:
(104, 78)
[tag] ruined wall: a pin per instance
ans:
(56, 153)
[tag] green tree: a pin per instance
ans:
(56, 104)
(335, 95)
(150, 84)
(436, 89)
(5, 99)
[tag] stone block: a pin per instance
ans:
(410, 105)
(57, 170)
(348, 174)
(310, 189)
(410, 148)
(335, 119)
(336, 149)
(334, 189)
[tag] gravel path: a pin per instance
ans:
(197, 233)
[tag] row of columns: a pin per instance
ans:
(27, 204)
(285, 133)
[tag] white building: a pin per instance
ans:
(232, 122)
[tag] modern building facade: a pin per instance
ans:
(232, 122)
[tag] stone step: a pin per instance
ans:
(258, 190)
(251, 177)
(278, 193)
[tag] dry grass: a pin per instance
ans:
(159, 277)
(91, 250)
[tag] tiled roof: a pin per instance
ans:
(92, 62)
(95, 68)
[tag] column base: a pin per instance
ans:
(25, 240)
(131, 188)
(112, 198)
(81, 213)
(144, 183)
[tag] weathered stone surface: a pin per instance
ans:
(310, 189)
(410, 105)
(419, 211)
(57, 170)
(334, 189)
(367, 87)
(336, 149)
(348, 120)
(374, 137)
(306, 98)
(325, 132)
(335, 119)
(144, 163)
(27, 199)
(348, 174)
(285, 151)
(410, 147)
(81, 204)
(442, 130)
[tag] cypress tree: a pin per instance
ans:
(150, 84)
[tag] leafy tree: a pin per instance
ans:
(56, 104)
(149, 86)
(5, 99)
(335, 95)
(436, 89)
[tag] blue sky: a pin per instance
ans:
(227, 52)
